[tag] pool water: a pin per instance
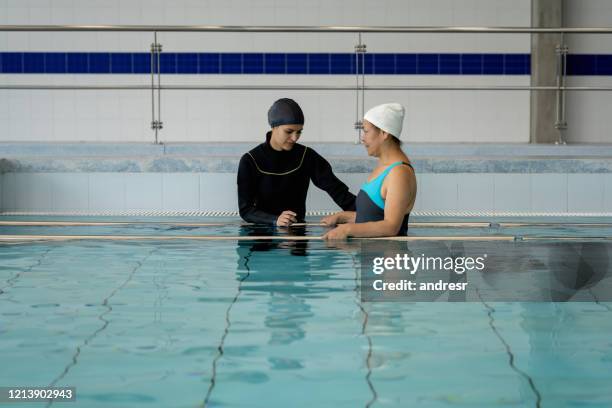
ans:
(256, 323)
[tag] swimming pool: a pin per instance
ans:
(278, 322)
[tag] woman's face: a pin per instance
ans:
(284, 137)
(372, 138)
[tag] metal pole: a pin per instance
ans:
(307, 29)
(560, 123)
(153, 120)
(363, 53)
(357, 119)
(563, 95)
(558, 91)
(359, 51)
(305, 87)
(159, 120)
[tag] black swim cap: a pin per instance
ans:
(285, 111)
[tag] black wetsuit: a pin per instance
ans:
(271, 181)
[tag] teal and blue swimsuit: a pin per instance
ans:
(370, 205)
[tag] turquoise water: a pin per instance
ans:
(277, 324)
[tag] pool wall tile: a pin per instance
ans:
(33, 192)
(438, 191)
(70, 191)
(549, 192)
(585, 192)
(143, 191)
(77, 63)
(418, 203)
(512, 192)
(475, 192)
(121, 63)
(607, 201)
(181, 191)
(449, 178)
(297, 63)
(8, 192)
(253, 63)
(231, 63)
(107, 192)
(218, 192)
(187, 63)
(319, 199)
(56, 62)
(33, 63)
(274, 63)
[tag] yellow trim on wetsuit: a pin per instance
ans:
(279, 174)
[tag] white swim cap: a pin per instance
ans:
(388, 117)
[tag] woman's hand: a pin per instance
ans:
(330, 220)
(341, 232)
(286, 218)
(342, 217)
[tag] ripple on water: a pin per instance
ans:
(119, 397)
(198, 350)
(250, 377)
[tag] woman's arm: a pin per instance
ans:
(247, 194)
(341, 217)
(324, 178)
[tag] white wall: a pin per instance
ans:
(588, 112)
(440, 116)
(116, 192)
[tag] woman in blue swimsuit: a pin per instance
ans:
(384, 202)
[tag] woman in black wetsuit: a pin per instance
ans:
(384, 202)
(273, 178)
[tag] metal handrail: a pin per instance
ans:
(307, 29)
(560, 88)
(305, 87)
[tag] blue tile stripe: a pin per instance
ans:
(290, 63)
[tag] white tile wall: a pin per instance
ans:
(181, 191)
(512, 192)
(585, 192)
(592, 13)
(70, 191)
(607, 182)
(125, 115)
(217, 192)
(549, 192)
(438, 191)
(33, 192)
(475, 192)
(587, 111)
(9, 201)
(107, 191)
(143, 191)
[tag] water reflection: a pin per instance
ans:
(289, 273)
(546, 272)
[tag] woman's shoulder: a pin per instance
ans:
(403, 170)
(255, 152)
